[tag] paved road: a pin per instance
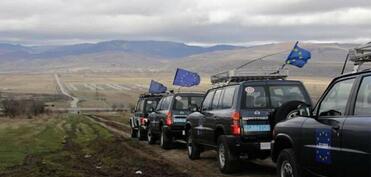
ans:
(75, 100)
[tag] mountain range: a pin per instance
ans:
(155, 49)
(164, 56)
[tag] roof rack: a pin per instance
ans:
(235, 76)
(359, 56)
(145, 95)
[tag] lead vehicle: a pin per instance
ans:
(334, 138)
(139, 121)
(236, 118)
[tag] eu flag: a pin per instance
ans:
(323, 143)
(298, 56)
(157, 87)
(186, 78)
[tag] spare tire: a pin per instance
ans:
(287, 111)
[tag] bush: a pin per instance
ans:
(28, 108)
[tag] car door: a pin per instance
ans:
(321, 137)
(211, 118)
(356, 140)
(200, 129)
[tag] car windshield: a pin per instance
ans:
(257, 97)
(184, 102)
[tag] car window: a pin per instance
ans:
(363, 101)
(216, 99)
(228, 96)
(150, 103)
(166, 103)
(184, 102)
(254, 97)
(285, 93)
(159, 104)
(334, 103)
(140, 106)
(206, 104)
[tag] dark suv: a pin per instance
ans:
(334, 139)
(237, 119)
(138, 122)
(167, 122)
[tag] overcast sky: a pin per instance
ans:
(190, 21)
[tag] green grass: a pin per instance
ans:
(21, 138)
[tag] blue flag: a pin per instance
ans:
(186, 78)
(157, 87)
(323, 144)
(298, 56)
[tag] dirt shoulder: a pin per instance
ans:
(206, 166)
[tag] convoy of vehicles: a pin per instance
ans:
(255, 116)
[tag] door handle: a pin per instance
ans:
(336, 127)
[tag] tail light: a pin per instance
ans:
(169, 120)
(142, 120)
(236, 127)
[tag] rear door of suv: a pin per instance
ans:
(255, 111)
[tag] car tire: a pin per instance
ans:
(227, 161)
(287, 111)
(141, 134)
(151, 139)
(165, 140)
(287, 165)
(194, 149)
(133, 133)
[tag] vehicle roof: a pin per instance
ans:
(366, 71)
(261, 82)
(188, 94)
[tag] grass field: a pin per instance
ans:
(72, 146)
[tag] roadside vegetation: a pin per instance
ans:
(68, 145)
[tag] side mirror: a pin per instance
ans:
(305, 110)
(151, 110)
(194, 108)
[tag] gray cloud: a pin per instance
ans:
(192, 21)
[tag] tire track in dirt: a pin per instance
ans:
(206, 166)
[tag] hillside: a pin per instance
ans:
(155, 56)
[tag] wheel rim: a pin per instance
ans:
(292, 114)
(221, 155)
(189, 146)
(286, 169)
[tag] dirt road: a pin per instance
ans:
(75, 100)
(206, 166)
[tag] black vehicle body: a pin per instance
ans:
(335, 139)
(139, 121)
(246, 129)
(169, 118)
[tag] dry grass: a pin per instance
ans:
(95, 89)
